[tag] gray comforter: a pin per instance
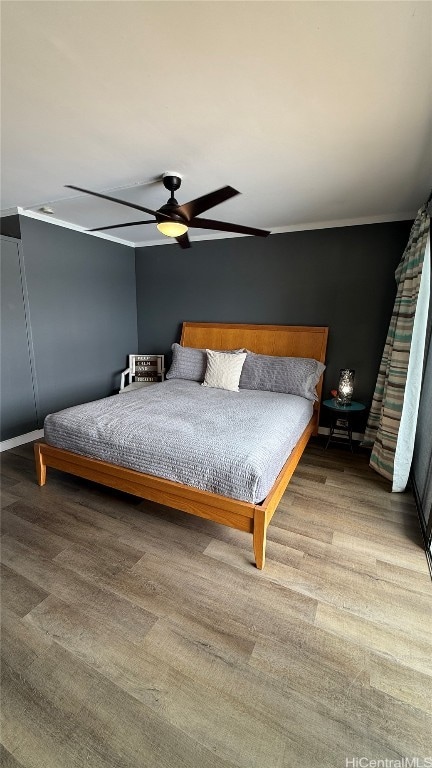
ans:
(232, 443)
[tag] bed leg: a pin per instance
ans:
(259, 537)
(40, 465)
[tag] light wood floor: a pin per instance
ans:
(135, 636)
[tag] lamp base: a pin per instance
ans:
(343, 401)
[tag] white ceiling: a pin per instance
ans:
(318, 112)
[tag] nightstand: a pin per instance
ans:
(143, 370)
(341, 417)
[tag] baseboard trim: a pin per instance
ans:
(6, 445)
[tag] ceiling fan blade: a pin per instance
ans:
(226, 227)
(118, 226)
(195, 207)
(117, 200)
(183, 241)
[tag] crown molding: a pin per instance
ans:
(68, 225)
(385, 218)
(337, 223)
(361, 221)
(8, 212)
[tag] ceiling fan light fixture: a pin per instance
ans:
(172, 228)
(174, 220)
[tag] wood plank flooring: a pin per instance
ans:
(135, 636)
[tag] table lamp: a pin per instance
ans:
(345, 386)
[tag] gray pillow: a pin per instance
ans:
(290, 375)
(190, 363)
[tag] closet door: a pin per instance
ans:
(18, 406)
(422, 460)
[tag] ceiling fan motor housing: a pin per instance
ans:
(170, 209)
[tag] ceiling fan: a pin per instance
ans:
(174, 220)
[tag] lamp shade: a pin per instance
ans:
(345, 386)
(172, 228)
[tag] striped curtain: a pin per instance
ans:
(388, 400)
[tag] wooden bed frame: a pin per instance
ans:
(281, 340)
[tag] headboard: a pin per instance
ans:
(280, 340)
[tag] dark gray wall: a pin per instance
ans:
(18, 407)
(341, 277)
(10, 226)
(83, 300)
(82, 307)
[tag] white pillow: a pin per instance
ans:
(223, 370)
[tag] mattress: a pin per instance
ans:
(231, 443)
